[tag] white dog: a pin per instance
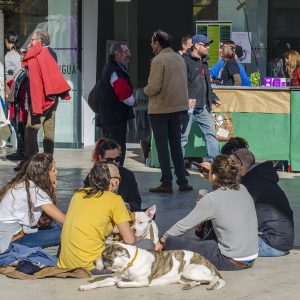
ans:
(135, 267)
(143, 226)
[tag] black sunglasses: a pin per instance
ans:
(115, 159)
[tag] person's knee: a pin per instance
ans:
(145, 244)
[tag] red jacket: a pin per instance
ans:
(45, 78)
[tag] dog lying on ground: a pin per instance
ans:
(135, 267)
(142, 224)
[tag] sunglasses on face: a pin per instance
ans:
(115, 159)
(204, 45)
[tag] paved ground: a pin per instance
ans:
(270, 278)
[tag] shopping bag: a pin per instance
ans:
(224, 126)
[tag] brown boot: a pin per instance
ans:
(162, 189)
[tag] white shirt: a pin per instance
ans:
(14, 205)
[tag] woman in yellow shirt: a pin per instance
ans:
(92, 214)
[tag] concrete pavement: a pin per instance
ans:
(270, 278)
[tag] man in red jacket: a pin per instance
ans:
(47, 84)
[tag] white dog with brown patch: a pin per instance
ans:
(134, 267)
(142, 224)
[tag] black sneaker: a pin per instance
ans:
(15, 156)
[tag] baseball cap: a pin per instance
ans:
(200, 38)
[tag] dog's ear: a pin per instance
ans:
(119, 250)
(123, 252)
(151, 211)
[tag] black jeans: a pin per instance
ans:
(117, 132)
(167, 133)
(208, 248)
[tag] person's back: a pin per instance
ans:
(237, 234)
(170, 92)
(275, 217)
(87, 224)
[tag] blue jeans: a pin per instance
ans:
(42, 238)
(206, 124)
(268, 251)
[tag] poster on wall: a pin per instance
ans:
(242, 39)
(218, 31)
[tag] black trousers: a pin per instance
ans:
(117, 132)
(167, 134)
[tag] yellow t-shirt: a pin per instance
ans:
(88, 222)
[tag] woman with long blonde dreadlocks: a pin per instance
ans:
(23, 200)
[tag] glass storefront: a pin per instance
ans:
(61, 19)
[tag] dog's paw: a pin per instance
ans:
(187, 286)
(121, 284)
(85, 287)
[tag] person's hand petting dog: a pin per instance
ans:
(160, 244)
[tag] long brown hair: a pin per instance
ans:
(228, 49)
(226, 171)
(37, 171)
(99, 179)
(292, 61)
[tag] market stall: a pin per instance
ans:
(267, 117)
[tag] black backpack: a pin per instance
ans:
(93, 98)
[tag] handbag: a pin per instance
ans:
(224, 126)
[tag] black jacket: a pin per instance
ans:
(111, 109)
(128, 189)
(274, 215)
(195, 67)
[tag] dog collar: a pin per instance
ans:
(134, 258)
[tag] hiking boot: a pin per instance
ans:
(185, 187)
(162, 189)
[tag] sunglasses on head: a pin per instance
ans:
(115, 159)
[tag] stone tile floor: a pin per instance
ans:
(271, 278)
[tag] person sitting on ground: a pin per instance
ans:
(110, 151)
(233, 144)
(274, 215)
(231, 210)
(91, 217)
(23, 200)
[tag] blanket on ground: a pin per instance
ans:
(46, 272)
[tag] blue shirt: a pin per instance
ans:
(216, 68)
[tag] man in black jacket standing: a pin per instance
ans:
(274, 215)
(116, 98)
(201, 96)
